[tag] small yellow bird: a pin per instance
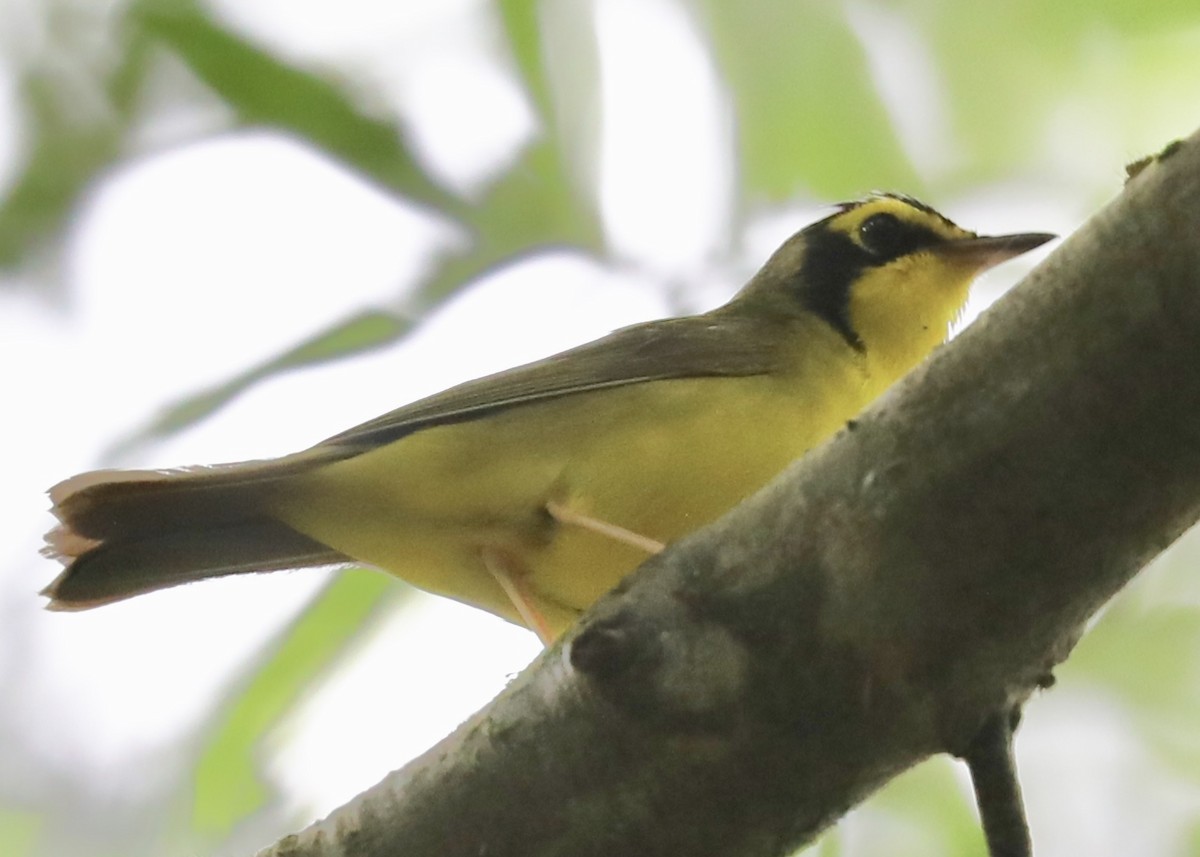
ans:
(531, 492)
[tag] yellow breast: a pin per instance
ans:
(659, 458)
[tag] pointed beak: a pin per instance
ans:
(979, 254)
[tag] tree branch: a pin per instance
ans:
(874, 606)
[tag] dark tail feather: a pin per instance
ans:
(124, 533)
(118, 570)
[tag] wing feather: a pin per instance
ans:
(710, 345)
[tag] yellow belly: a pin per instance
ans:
(660, 458)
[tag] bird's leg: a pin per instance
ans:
(512, 581)
(566, 515)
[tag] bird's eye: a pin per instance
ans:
(885, 236)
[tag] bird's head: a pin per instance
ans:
(888, 273)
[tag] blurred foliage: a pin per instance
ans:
(265, 91)
(937, 814)
(227, 786)
(19, 832)
(811, 119)
(65, 154)
(809, 115)
(365, 331)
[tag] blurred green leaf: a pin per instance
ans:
(65, 153)
(521, 24)
(227, 784)
(534, 205)
(1009, 68)
(74, 131)
(1129, 17)
(569, 57)
(929, 798)
(1144, 651)
(363, 332)
(264, 90)
(1002, 77)
(1192, 839)
(829, 845)
(1146, 656)
(19, 832)
(808, 116)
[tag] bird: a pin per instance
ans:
(531, 492)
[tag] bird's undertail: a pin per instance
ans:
(123, 533)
